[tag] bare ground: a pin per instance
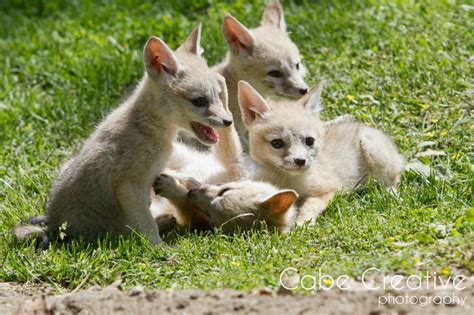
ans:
(24, 299)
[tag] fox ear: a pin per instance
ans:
(273, 15)
(159, 58)
(312, 100)
(252, 105)
(237, 36)
(192, 44)
(280, 202)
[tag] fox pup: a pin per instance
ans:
(265, 57)
(295, 150)
(232, 206)
(105, 188)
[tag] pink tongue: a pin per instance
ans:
(210, 134)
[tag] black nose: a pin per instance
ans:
(303, 90)
(227, 123)
(300, 162)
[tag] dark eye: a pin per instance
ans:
(297, 66)
(309, 141)
(274, 73)
(277, 143)
(222, 191)
(200, 102)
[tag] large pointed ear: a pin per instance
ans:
(192, 44)
(252, 105)
(159, 58)
(273, 15)
(280, 202)
(237, 36)
(312, 100)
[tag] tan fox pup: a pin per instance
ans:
(265, 57)
(105, 188)
(295, 150)
(232, 206)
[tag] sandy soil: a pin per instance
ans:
(24, 299)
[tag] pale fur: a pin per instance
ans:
(105, 187)
(188, 162)
(344, 152)
(268, 48)
(232, 206)
(226, 162)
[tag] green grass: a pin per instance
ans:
(64, 66)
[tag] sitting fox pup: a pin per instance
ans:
(295, 150)
(231, 206)
(105, 188)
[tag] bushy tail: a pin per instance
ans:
(382, 156)
(33, 227)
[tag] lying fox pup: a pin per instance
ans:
(291, 148)
(295, 150)
(265, 57)
(105, 188)
(232, 206)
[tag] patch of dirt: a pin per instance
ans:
(23, 299)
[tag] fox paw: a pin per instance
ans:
(168, 187)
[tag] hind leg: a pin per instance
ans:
(381, 156)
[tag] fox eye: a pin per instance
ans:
(200, 102)
(297, 66)
(277, 143)
(274, 73)
(309, 141)
(222, 191)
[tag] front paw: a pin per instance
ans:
(155, 239)
(166, 186)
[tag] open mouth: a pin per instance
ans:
(204, 133)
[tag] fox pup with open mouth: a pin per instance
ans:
(106, 187)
